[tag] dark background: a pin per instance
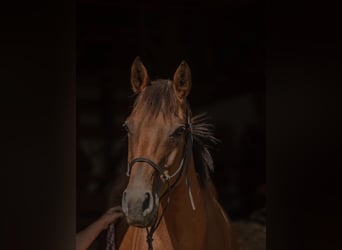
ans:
(38, 133)
(223, 44)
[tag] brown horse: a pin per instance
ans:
(170, 201)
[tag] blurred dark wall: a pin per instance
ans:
(223, 44)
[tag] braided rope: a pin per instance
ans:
(111, 237)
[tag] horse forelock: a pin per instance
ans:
(158, 97)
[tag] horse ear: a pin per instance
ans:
(182, 80)
(139, 76)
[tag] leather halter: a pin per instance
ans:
(186, 154)
(161, 170)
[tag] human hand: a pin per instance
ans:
(111, 216)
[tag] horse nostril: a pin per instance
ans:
(124, 196)
(147, 202)
(124, 203)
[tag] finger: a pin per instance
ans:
(115, 209)
(114, 214)
(119, 215)
(115, 217)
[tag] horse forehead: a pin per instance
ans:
(153, 131)
(152, 121)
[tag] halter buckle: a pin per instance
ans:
(165, 176)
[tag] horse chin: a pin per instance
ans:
(142, 221)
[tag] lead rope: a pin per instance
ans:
(111, 237)
(149, 236)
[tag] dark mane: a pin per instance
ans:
(160, 96)
(204, 138)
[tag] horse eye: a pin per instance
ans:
(125, 127)
(178, 132)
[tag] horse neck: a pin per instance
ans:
(180, 214)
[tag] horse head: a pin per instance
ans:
(157, 130)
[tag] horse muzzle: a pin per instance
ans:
(140, 207)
